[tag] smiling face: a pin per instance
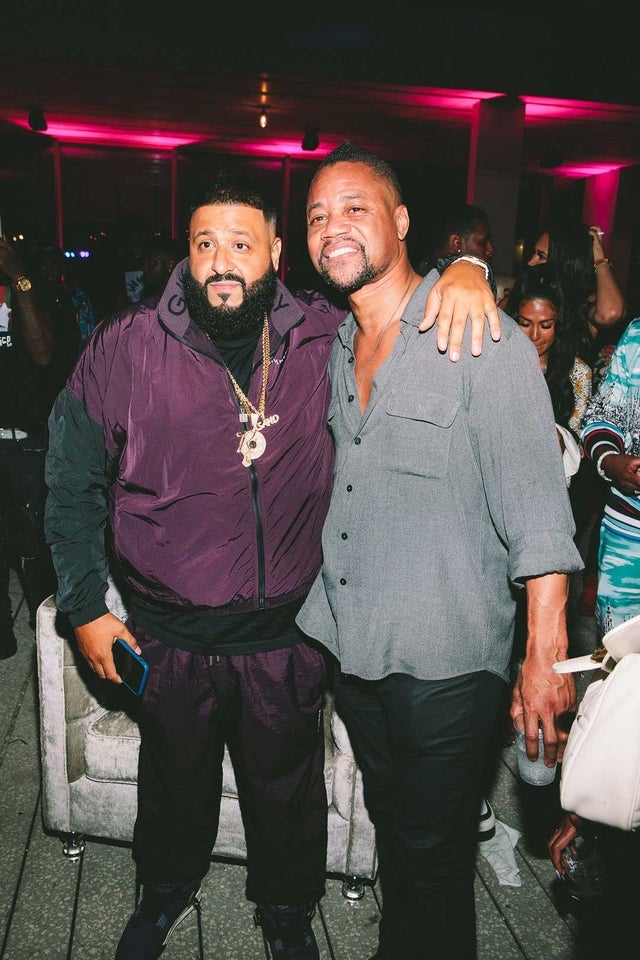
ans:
(355, 225)
(537, 318)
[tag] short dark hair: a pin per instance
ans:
(461, 219)
(229, 188)
(347, 152)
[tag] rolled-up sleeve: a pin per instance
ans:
(512, 428)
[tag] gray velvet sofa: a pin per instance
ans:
(89, 756)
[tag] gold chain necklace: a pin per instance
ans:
(363, 369)
(252, 442)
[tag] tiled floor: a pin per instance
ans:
(51, 909)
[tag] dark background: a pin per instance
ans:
(587, 50)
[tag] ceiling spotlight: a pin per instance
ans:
(263, 118)
(310, 140)
(37, 119)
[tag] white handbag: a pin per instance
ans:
(571, 455)
(600, 770)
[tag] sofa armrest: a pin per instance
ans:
(70, 697)
(345, 794)
(340, 766)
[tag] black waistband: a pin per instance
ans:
(236, 633)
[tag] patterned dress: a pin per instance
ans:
(581, 383)
(572, 450)
(612, 422)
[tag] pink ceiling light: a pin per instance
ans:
(445, 99)
(548, 107)
(115, 136)
(588, 169)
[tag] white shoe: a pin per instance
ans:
(487, 822)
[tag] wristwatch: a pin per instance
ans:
(22, 284)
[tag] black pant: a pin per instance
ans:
(421, 747)
(22, 545)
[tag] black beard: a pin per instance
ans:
(230, 323)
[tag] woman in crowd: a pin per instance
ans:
(611, 437)
(537, 303)
(594, 299)
(612, 442)
(597, 307)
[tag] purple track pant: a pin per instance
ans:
(267, 707)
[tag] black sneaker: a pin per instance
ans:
(487, 822)
(8, 643)
(288, 931)
(162, 908)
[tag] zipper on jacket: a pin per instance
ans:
(243, 419)
(257, 516)
(254, 476)
(259, 536)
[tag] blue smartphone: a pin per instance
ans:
(133, 670)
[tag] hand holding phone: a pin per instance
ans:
(131, 667)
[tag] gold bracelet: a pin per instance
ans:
(598, 263)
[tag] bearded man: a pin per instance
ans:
(190, 448)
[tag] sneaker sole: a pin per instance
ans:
(193, 904)
(487, 824)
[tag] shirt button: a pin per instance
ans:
(345, 536)
(343, 582)
(350, 398)
(357, 441)
(349, 488)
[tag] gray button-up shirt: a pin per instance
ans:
(448, 491)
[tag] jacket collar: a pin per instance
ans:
(286, 312)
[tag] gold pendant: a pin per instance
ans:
(252, 445)
(259, 421)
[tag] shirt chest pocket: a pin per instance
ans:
(419, 434)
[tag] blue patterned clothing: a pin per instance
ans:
(85, 314)
(612, 422)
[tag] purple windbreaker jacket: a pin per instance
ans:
(143, 442)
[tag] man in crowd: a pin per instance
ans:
(160, 258)
(27, 352)
(461, 229)
(439, 513)
(194, 431)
